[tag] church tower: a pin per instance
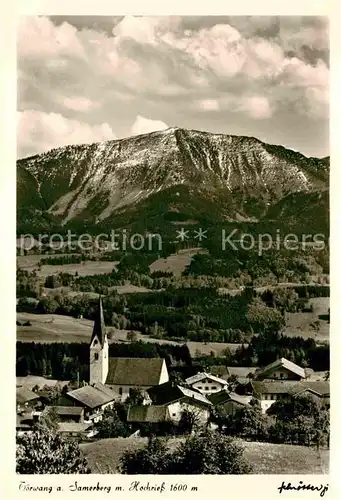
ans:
(99, 349)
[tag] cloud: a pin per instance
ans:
(173, 69)
(145, 125)
(257, 107)
(208, 105)
(81, 104)
(38, 132)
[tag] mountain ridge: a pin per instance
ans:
(99, 180)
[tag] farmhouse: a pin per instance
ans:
(76, 429)
(206, 383)
(121, 374)
(26, 399)
(281, 369)
(177, 398)
(230, 401)
(93, 400)
(67, 413)
(270, 391)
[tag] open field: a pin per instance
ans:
(177, 262)
(32, 380)
(58, 328)
(86, 268)
(104, 455)
(300, 324)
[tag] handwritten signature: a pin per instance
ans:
(322, 488)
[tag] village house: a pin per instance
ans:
(177, 398)
(281, 369)
(206, 383)
(230, 401)
(76, 429)
(67, 413)
(26, 399)
(121, 374)
(270, 391)
(94, 400)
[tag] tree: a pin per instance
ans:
(302, 420)
(152, 459)
(45, 452)
(132, 336)
(205, 453)
(191, 419)
(135, 397)
(111, 425)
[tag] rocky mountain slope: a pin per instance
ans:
(177, 174)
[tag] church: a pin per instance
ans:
(121, 374)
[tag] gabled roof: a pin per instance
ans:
(91, 397)
(169, 392)
(241, 371)
(203, 375)
(99, 325)
(65, 410)
(281, 363)
(273, 386)
(24, 395)
(290, 387)
(134, 371)
(104, 388)
(224, 396)
(147, 413)
(319, 388)
(73, 427)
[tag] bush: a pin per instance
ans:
(205, 453)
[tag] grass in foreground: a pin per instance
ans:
(266, 458)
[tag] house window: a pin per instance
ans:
(200, 388)
(96, 355)
(173, 414)
(95, 342)
(207, 388)
(120, 391)
(214, 387)
(281, 375)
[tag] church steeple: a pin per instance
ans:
(99, 325)
(99, 349)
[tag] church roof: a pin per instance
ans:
(99, 325)
(134, 371)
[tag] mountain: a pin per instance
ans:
(168, 176)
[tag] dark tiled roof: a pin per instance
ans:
(281, 363)
(321, 388)
(147, 413)
(99, 325)
(25, 395)
(66, 410)
(273, 387)
(224, 396)
(169, 392)
(134, 371)
(90, 397)
(109, 392)
(289, 387)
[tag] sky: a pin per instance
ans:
(91, 79)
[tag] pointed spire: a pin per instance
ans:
(99, 325)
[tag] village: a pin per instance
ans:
(161, 400)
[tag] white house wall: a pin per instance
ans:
(207, 386)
